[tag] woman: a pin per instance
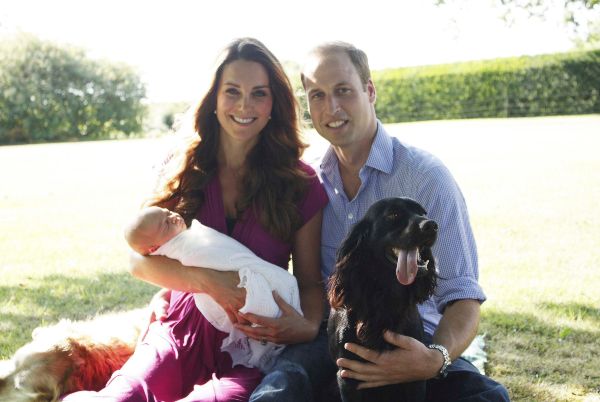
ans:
(241, 176)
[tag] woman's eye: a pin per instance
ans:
(231, 91)
(260, 94)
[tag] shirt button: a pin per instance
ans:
(350, 216)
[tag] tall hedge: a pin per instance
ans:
(51, 92)
(559, 84)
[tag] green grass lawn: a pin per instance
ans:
(532, 186)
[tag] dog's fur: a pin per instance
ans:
(70, 356)
(366, 296)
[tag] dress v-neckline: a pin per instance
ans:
(222, 214)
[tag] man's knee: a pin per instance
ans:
(498, 393)
(285, 382)
(466, 386)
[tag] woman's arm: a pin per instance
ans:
(171, 274)
(291, 327)
(306, 255)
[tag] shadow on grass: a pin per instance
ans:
(45, 300)
(527, 352)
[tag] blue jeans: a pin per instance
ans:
(464, 383)
(299, 372)
(303, 369)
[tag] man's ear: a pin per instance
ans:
(371, 92)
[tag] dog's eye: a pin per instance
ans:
(391, 217)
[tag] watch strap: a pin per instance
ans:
(443, 370)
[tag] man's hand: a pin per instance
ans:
(410, 361)
(289, 328)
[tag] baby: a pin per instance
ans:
(159, 231)
(152, 228)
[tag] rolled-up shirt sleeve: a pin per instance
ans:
(455, 250)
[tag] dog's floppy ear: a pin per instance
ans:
(349, 257)
(39, 387)
(355, 240)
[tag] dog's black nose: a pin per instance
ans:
(429, 227)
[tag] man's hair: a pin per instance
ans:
(358, 58)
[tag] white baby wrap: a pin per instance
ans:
(205, 247)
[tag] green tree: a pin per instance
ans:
(55, 93)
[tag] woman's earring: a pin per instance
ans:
(215, 112)
(269, 117)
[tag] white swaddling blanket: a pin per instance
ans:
(205, 247)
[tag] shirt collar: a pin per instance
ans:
(382, 151)
(380, 156)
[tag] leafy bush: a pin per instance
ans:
(55, 93)
(560, 84)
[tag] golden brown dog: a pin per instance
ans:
(70, 356)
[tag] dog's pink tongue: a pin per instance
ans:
(406, 267)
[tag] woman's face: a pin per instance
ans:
(244, 101)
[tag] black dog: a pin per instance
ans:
(383, 270)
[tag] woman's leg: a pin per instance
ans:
(234, 385)
(142, 377)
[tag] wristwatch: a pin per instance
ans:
(442, 373)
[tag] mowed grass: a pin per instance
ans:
(532, 186)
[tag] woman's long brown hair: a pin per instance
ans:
(273, 183)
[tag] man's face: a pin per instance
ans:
(341, 107)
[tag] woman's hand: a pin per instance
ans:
(159, 305)
(158, 309)
(289, 328)
(223, 288)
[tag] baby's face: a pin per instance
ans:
(166, 225)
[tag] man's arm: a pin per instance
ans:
(458, 327)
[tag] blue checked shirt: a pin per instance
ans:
(394, 169)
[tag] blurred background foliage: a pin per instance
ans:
(54, 92)
(51, 92)
(559, 84)
(580, 17)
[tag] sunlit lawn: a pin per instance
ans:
(532, 186)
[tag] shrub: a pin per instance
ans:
(559, 84)
(55, 93)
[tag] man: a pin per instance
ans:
(364, 164)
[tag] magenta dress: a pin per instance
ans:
(180, 358)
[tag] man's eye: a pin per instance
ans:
(343, 91)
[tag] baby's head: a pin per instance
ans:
(152, 228)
